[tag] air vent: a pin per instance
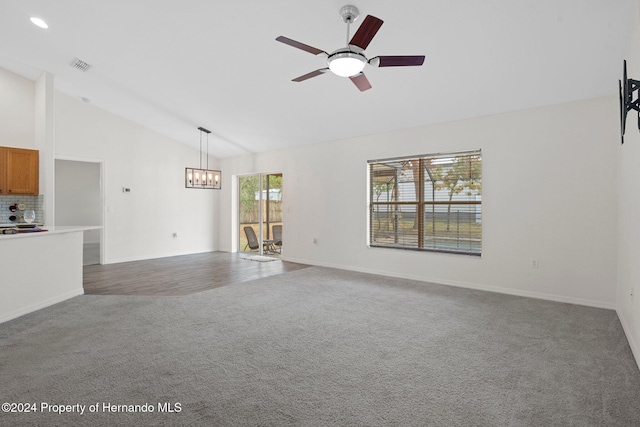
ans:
(80, 65)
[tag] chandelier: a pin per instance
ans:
(204, 178)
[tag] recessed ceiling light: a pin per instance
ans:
(39, 22)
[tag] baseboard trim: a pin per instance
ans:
(41, 304)
(467, 285)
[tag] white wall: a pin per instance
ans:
(628, 305)
(140, 224)
(549, 192)
(17, 100)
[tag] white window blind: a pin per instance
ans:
(429, 202)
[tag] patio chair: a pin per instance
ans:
(252, 240)
(277, 238)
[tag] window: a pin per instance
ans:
(430, 202)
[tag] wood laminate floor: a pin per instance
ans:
(179, 275)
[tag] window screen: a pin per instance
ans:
(429, 202)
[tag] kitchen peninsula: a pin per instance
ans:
(40, 269)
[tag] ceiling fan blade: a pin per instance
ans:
(299, 45)
(397, 61)
(311, 74)
(361, 81)
(366, 32)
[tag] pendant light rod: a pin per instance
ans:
(200, 152)
(207, 131)
(207, 151)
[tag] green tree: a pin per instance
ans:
(462, 174)
(249, 187)
(380, 187)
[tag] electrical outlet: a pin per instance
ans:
(534, 263)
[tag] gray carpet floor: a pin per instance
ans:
(321, 347)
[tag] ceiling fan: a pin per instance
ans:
(349, 61)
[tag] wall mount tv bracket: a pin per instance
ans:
(626, 88)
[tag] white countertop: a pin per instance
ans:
(51, 229)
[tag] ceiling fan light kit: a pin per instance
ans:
(350, 61)
(346, 63)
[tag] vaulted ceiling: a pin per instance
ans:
(175, 65)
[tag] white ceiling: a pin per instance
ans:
(175, 65)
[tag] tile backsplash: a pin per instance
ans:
(32, 202)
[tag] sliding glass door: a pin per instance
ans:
(260, 211)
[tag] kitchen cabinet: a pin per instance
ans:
(19, 171)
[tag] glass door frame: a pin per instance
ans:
(261, 210)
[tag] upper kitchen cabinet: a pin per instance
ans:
(19, 171)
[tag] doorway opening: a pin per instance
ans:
(79, 202)
(260, 214)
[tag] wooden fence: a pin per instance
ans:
(250, 211)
